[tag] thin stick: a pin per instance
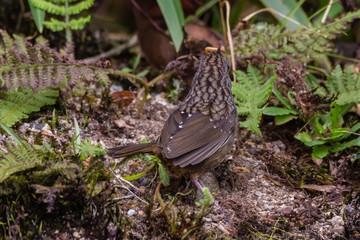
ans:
(228, 30)
(157, 79)
(223, 21)
(248, 17)
(121, 181)
(327, 11)
(112, 52)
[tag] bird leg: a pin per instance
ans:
(195, 180)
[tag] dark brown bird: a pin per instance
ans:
(200, 132)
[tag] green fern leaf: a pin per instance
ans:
(75, 24)
(8, 41)
(78, 24)
(39, 66)
(17, 104)
(55, 25)
(18, 159)
(345, 85)
(304, 44)
(62, 1)
(86, 149)
(79, 7)
(251, 93)
(49, 7)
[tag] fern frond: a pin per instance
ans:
(337, 26)
(62, 1)
(344, 84)
(67, 169)
(302, 45)
(79, 7)
(38, 66)
(8, 41)
(53, 8)
(17, 104)
(86, 149)
(251, 93)
(18, 158)
(49, 7)
(55, 25)
(74, 24)
(78, 24)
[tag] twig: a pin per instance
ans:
(157, 79)
(112, 52)
(327, 11)
(228, 30)
(223, 22)
(248, 17)
(121, 181)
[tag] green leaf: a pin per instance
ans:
(355, 128)
(79, 24)
(341, 146)
(282, 119)
(285, 102)
(320, 151)
(303, 137)
(276, 111)
(143, 73)
(38, 15)
(174, 18)
(12, 134)
(48, 7)
(126, 69)
(287, 7)
(163, 175)
(55, 25)
(317, 126)
(77, 140)
(336, 134)
(139, 175)
(315, 143)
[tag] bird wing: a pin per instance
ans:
(190, 139)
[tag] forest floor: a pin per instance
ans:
(256, 198)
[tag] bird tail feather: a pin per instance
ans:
(124, 151)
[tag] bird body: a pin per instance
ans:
(200, 132)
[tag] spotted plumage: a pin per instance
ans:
(196, 136)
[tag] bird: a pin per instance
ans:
(199, 134)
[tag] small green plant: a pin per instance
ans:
(251, 93)
(27, 71)
(135, 63)
(16, 104)
(328, 131)
(282, 115)
(85, 148)
(19, 158)
(304, 44)
(152, 161)
(64, 8)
